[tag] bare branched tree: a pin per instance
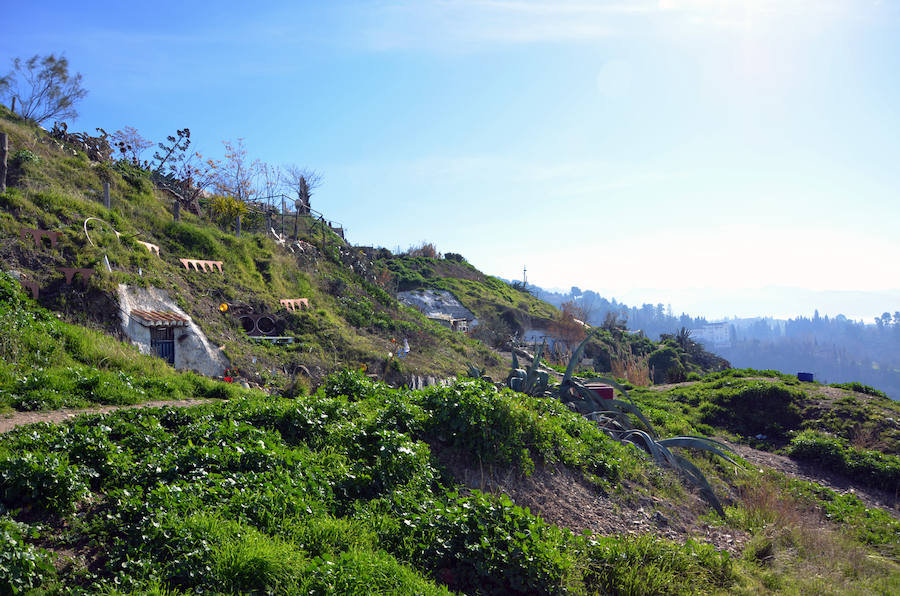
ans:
(42, 88)
(237, 175)
(130, 144)
(302, 182)
(271, 179)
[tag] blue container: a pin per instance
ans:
(805, 377)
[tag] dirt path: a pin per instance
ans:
(14, 419)
(872, 497)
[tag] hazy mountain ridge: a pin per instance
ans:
(835, 349)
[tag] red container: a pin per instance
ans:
(229, 379)
(603, 391)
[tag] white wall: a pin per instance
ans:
(192, 350)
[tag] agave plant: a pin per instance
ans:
(613, 416)
(476, 373)
(530, 381)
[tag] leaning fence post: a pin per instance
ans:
(237, 225)
(106, 194)
(4, 151)
(176, 210)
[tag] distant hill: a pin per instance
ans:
(835, 349)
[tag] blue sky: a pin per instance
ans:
(682, 152)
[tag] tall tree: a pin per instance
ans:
(237, 175)
(41, 88)
(302, 182)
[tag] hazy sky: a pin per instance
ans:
(615, 146)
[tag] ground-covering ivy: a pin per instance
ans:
(338, 492)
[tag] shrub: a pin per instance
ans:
(192, 240)
(750, 408)
(24, 156)
(647, 565)
(482, 544)
(872, 468)
(364, 572)
(22, 566)
(666, 364)
(46, 482)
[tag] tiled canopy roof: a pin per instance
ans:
(156, 318)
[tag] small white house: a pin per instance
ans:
(157, 326)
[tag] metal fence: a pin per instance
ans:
(289, 219)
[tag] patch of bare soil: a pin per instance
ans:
(872, 497)
(563, 497)
(14, 419)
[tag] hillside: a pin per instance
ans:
(320, 478)
(351, 320)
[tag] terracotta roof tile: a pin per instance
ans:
(156, 318)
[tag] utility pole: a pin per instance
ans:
(524, 276)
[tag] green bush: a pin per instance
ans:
(750, 408)
(868, 467)
(364, 572)
(483, 544)
(22, 566)
(508, 428)
(192, 241)
(45, 482)
(645, 565)
(666, 364)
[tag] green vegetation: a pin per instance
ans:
(355, 487)
(46, 363)
(866, 466)
(763, 408)
(352, 319)
(860, 388)
(325, 492)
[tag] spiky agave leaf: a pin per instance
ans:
(694, 474)
(703, 443)
(474, 371)
(661, 454)
(628, 406)
(576, 356)
(665, 456)
(535, 363)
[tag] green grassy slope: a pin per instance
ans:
(46, 363)
(351, 322)
(343, 491)
(855, 433)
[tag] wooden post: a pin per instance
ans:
(4, 152)
(237, 225)
(106, 194)
(176, 210)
